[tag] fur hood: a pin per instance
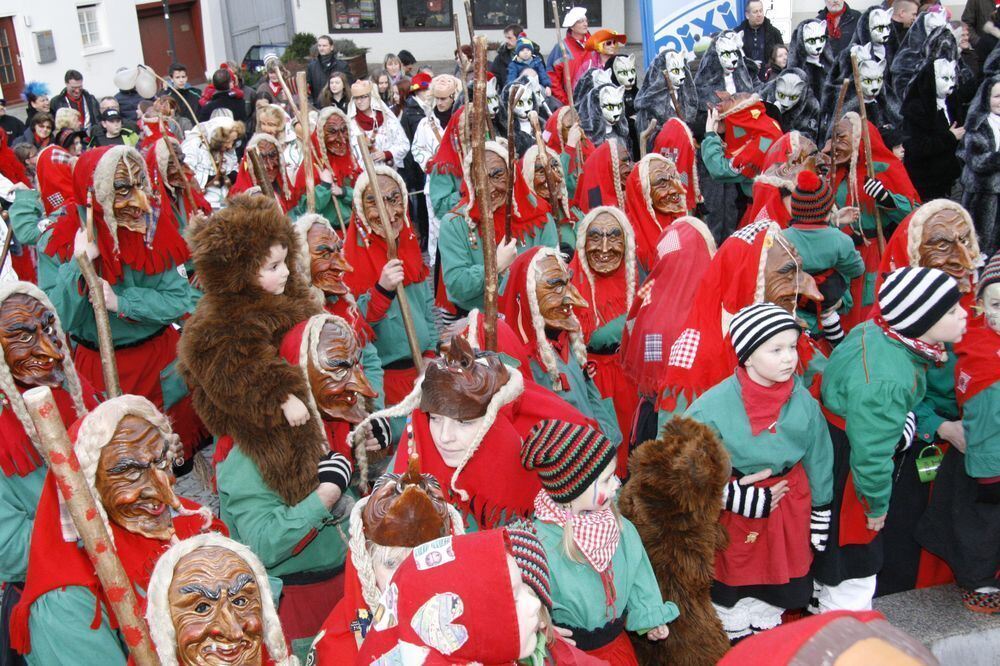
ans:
(804, 116)
(797, 56)
(710, 77)
(919, 48)
(653, 99)
(588, 105)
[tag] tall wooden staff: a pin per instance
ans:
(673, 97)
(469, 21)
(866, 139)
(105, 343)
(644, 137)
(463, 62)
(77, 497)
(512, 99)
(543, 154)
(561, 40)
(7, 238)
(260, 173)
(177, 165)
(390, 242)
(307, 160)
(480, 182)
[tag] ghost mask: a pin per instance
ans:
(611, 103)
(675, 68)
(944, 77)
(729, 46)
(872, 76)
(624, 69)
(788, 91)
(814, 39)
(934, 20)
(525, 103)
(878, 25)
(492, 98)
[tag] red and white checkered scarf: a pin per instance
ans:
(595, 533)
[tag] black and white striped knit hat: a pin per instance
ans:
(756, 324)
(914, 299)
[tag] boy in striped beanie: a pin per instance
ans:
(827, 253)
(578, 523)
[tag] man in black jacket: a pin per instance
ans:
(322, 66)
(10, 125)
(841, 22)
(759, 36)
(182, 91)
(221, 99)
(73, 96)
(506, 53)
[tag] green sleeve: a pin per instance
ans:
(849, 261)
(875, 417)
(165, 298)
(609, 335)
(60, 631)
(604, 412)
(346, 203)
(63, 288)
(928, 421)
(714, 157)
(645, 608)
(443, 191)
(25, 213)
(902, 208)
(571, 176)
(373, 372)
(17, 516)
(322, 191)
(464, 278)
(981, 422)
(549, 235)
(818, 461)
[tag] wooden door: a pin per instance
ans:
(185, 19)
(11, 75)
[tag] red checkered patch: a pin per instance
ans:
(685, 348)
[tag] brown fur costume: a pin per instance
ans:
(673, 497)
(229, 353)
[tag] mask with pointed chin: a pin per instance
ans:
(729, 46)
(624, 70)
(31, 349)
(944, 77)
(878, 25)
(788, 90)
(556, 295)
(872, 78)
(336, 375)
(947, 243)
(132, 193)
(814, 37)
(675, 68)
(612, 105)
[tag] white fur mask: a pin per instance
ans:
(525, 103)
(934, 20)
(624, 68)
(729, 46)
(492, 97)
(878, 25)
(814, 37)
(611, 103)
(872, 76)
(944, 77)
(675, 69)
(788, 90)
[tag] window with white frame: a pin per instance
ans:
(90, 30)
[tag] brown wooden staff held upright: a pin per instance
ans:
(543, 154)
(307, 160)
(480, 182)
(866, 139)
(644, 137)
(79, 500)
(512, 98)
(390, 242)
(260, 173)
(105, 343)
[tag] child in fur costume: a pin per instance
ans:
(281, 489)
(780, 449)
(672, 498)
(602, 582)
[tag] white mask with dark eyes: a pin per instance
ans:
(878, 25)
(525, 103)
(944, 77)
(611, 103)
(814, 38)
(675, 69)
(934, 20)
(872, 76)
(492, 97)
(624, 68)
(788, 90)
(729, 46)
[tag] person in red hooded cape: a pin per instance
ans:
(655, 195)
(675, 141)
(11, 168)
(125, 449)
(334, 170)
(604, 268)
(178, 192)
(754, 265)
(273, 164)
(498, 615)
(377, 276)
(604, 174)
(790, 154)
(141, 266)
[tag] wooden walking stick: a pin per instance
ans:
(543, 154)
(480, 182)
(644, 137)
(512, 100)
(94, 533)
(105, 343)
(8, 237)
(307, 161)
(866, 139)
(463, 62)
(839, 108)
(567, 76)
(472, 30)
(390, 242)
(673, 97)
(177, 165)
(260, 173)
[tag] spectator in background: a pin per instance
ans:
(776, 63)
(506, 53)
(114, 134)
(841, 22)
(39, 130)
(759, 36)
(409, 62)
(128, 97)
(337, 92)
(11, 126)
(577, 34)
(388, 91)
(525, 58)
(322, 67)
(394, 66)
(223, 98)
(74, 96)
(182, 91)
(68, 119)
(36, 94)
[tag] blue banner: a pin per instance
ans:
(679, 25)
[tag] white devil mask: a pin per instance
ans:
(933, 20)
(788, 90)
(624, 69)
(878, 25)
(611, 102)
(944, 77)
(729, 46)
(492, 98)
(675, 69)
(814, 37)
(872, 76)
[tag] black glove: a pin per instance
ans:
(877, 191)
(381, 432)
(819, 527)
(747, 501)
(909, 430)
(335, 468)
(988, 493)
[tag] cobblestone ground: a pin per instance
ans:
(196, 485)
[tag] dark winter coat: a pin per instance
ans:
(848, 24)
(128, 106)
(190, 94)
(981, 174)
(652, 101)
(13, 127)
(223, 100)
(930, 146)
(767, 33)
(91, 108)
(318, 74)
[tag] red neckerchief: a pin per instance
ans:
(833, 22)
(40, 141)
(763, 403)
(368, 123)
(936, 354)
(368, 255)
(978, 365)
